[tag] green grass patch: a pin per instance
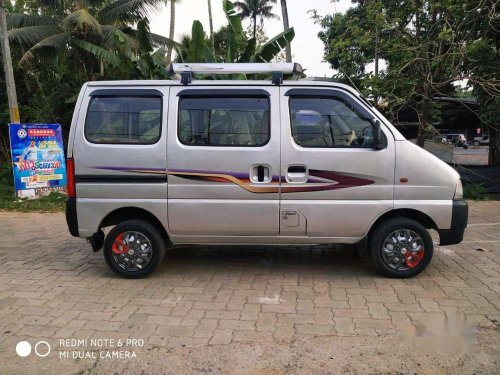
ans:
(54, 202)
(476, 192)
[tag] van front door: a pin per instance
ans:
(335, 184)
(223, 162)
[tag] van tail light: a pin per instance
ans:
(70, 175)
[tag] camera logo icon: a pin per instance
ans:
(42, 349)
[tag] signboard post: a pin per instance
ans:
(38, 162)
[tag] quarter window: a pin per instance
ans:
(124, 119)
(328, 122)
(224, 121)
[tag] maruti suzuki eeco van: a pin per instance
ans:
(291, 162)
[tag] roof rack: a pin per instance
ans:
(320, 79)
(187, 71)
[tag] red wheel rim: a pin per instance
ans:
(413, 259)
(119, 246)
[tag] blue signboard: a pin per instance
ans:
(38, 162)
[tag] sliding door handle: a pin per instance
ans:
(260, 173)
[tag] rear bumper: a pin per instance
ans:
(459, 218)
(71, 218)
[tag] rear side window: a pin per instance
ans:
(224, 121)
(124, 119)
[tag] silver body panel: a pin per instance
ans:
(232, 212)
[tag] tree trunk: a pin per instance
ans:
(171, 32)
(494, 152)
(211, 23)
(425, 121)
(286, 26)
(254, 25)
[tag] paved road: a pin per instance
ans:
(471, 156)
(247, 310)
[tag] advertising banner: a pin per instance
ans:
(38, 162)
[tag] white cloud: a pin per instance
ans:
(307, 49)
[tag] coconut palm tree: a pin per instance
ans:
(256, 9)
(211, 24)
(171, 33)
(89, 32)
(286, 26)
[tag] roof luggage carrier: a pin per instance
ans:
(187, 71)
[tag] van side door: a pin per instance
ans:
(335, 183)
(223, 162)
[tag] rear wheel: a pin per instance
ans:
(134, 248)
(401, 247)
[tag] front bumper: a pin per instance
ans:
(459, 218)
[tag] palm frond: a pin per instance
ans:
(115, 39)
(99, 52)
(143, 37)
(81, 20)
(57, 42)
(31, 35)
(161, 41)
(244, 9)
(127, 11)
(18, 20)
(54, 4)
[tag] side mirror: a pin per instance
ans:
(377, 134)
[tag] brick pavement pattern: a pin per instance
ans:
(210, 309)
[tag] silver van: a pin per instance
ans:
(255, 162)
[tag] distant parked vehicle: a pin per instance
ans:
(482, 141)
(457, 140)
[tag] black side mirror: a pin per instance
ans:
(377, 134)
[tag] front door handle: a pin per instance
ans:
(297, 173)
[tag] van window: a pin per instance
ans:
(123, 119)
(328, 122)
(224, 121)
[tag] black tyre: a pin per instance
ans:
(401, 247)
(134, 248)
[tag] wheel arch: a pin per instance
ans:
(122, 214)
(408, 213)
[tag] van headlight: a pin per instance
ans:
(459, 191)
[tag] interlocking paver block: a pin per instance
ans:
(260, 298)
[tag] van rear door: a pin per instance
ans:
(223, 158)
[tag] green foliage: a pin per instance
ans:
(6, 179)
(273, 47)
(475, 192)
(255, 10)
(235, 47)
(198, 43)
(89, 33)
(426, 46)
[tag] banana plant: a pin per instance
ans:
(196, 48)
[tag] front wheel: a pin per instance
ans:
(401, 247)
(134, 248)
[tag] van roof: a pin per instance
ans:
(302, 82)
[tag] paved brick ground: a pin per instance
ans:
(249, 310)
